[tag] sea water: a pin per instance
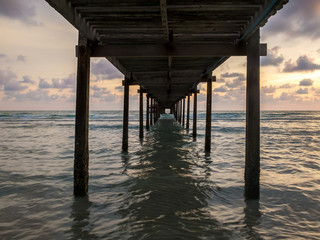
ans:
(166, 186)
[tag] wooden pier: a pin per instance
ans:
(167, 48)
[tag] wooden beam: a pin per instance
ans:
(207, 145)
(141, 113)
(164, 19)
(147, 113)
(194, 130)
(177, 50)
(252, 164)
(188, 112)
(70, 14)
(183, 110)
(125, 115)
(81, 153)
(151, 110)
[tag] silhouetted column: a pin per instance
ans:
(125, 114)
(147, 113)
(81, 153)
(141, 113)
(155, 110)
(208, 116)
(252, 166)
(188, 112)
(151, 111)
(183, 110)
(180, 111)
(194, 133)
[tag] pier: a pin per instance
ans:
(167, 48)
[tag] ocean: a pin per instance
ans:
(166, 186)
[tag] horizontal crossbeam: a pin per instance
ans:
(177, 50)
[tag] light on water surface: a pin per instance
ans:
(166, 186)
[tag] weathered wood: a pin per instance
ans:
(139, 36)
(180, 111)
(194, 130)
(147, 114)
(177, 50)
(188, 112)
(151, 111)
(125, 130)
(183, 110)
(81, 153)
(155, 111)
(164, 19)
(252, 166)
(208, 116)
(141, 113)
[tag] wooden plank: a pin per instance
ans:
(178, 50)
(164, 19)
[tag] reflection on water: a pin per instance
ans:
(166, 187)
(252, 217)
(168, 192)
(81, 225)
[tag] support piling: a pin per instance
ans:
(147, 113)
(183, 110)
(125, 115)
(194, 133)
(252, 164)
(188, 112)
(208, 115)
(141, 113)
(81, 153)
(151, 111)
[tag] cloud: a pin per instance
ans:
(302, 91)
(119, 88)
(296, 19)
(28, 80)
(285, 96)
(231, 75)
(6, 76)
(287, 86)
(99, 92)
(303, 63)
(104, 70)
(221, 89)
(236, 83)
(272, 59)
(21, 10)
(268, 90)
(35, 95)
(21, 58)
(68, 82)
(8, 80)
(14, 86)
(306, 82)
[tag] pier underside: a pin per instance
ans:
(168, 47)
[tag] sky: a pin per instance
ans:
(38, 63)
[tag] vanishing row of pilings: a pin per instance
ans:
(252, 161)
